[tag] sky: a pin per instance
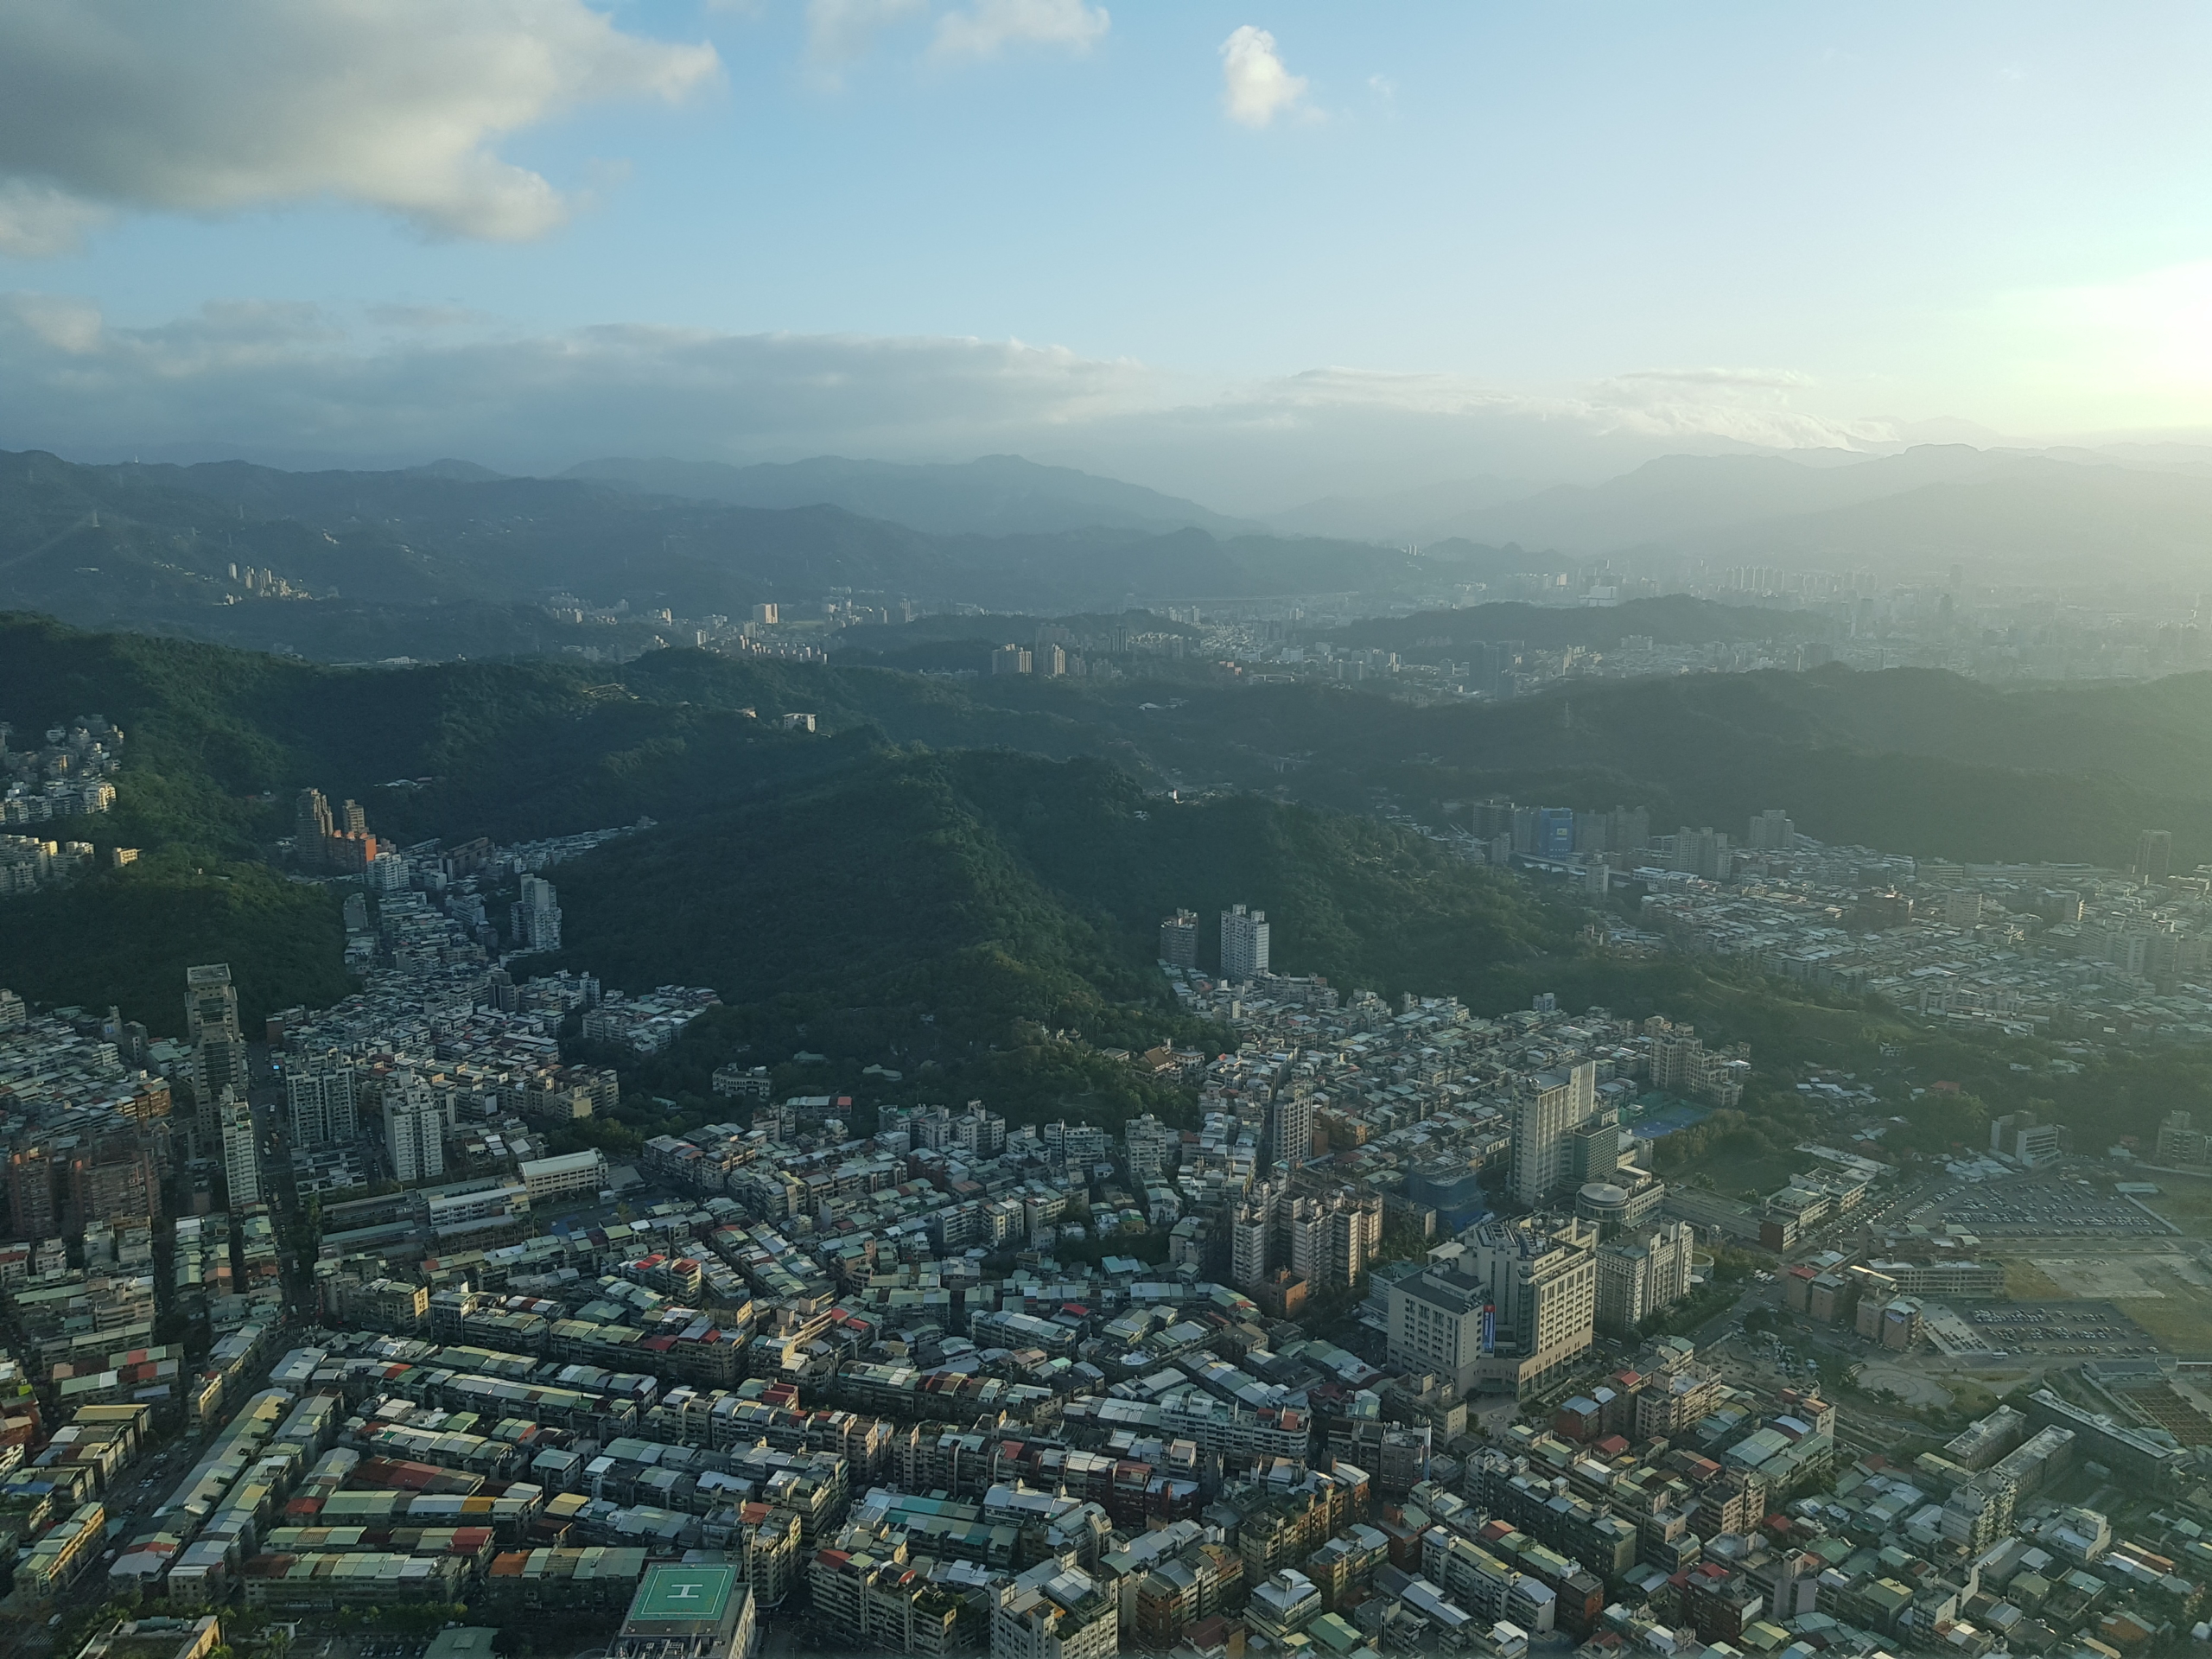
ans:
(1252, 253)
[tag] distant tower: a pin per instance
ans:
(1178, 940)
(2154, 854)
(1243, 944)
(1772, 832)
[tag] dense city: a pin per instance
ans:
(338, 1329)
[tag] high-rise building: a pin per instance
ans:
(1542, 1279)
(1598, 1148)
(537, 916)
(219, 1056)
(211, 1002)
(1681, 1064)
(2154, 854)
(1703, 852)
(312, 825)
(1544, 1123)
(1252, 1223)
(1511, 1303)
(33, 1204)
(1333, 1238)
(319, 1099)
(1643, 1274)
(241, 1155)
(1772, 832)
(414, 1127)
(1289, 1138)
(1178, 940)
(113, 1174)
(1243, 944)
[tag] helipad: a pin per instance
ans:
(674, 1600)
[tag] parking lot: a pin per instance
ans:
(2084, 1328)
(2045, 1210)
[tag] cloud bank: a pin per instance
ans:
(295, 384)
(213, 108)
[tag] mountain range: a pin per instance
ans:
(466, 559)
(993, 495)
(2063, 515)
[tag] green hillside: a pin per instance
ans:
(947, 908)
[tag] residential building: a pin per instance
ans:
(1178, 940)
(1290, 1131)
(1243, 944)
(1052, 1612)
(241, 1150)
(1333, 1238)
(1544, 1123)
(1772, 832)
(219, 1055)
(537, 916)
(2154, 854)
(414, 1127)
(319, 1096)
(1643, 1274)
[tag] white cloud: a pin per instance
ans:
(1255, 88)
(227, 104)
(988, 27)
(840, 32)
(37, 221)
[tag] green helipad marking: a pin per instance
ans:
(700, 1593)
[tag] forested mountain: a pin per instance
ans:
(1011, 814)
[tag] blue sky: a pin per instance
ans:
(1718, 224)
